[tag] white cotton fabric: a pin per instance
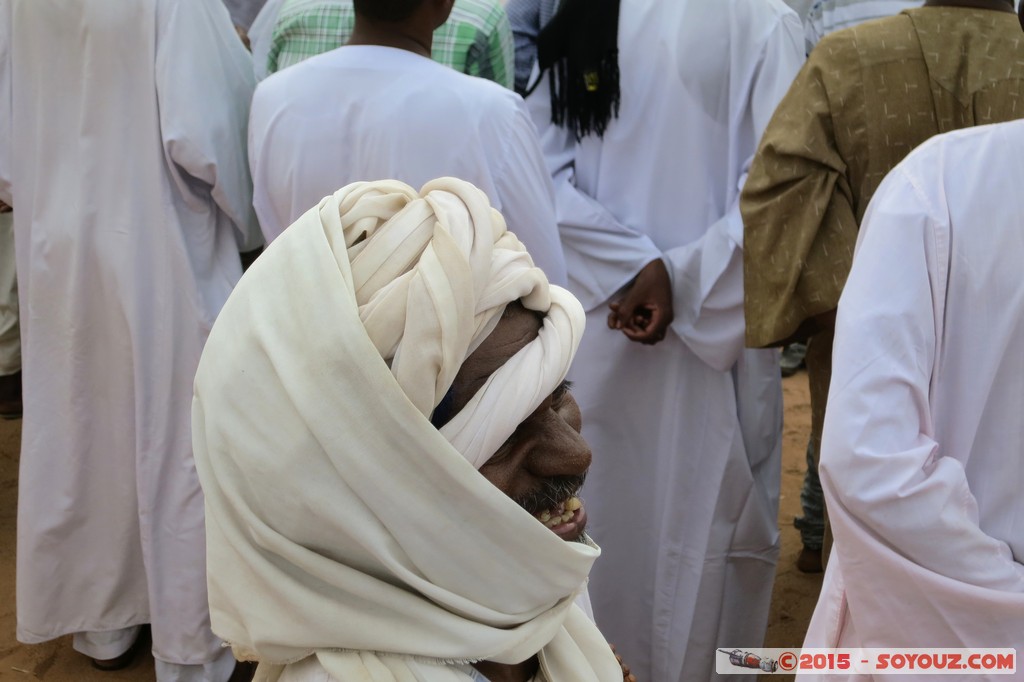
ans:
(404, 116)
(801, 7)
(243, 12)
(122, 145)
(340, 522)
(683, 492)
(10, 329)
(261, 34)
(921, 460)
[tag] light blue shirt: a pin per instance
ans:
(826, 16)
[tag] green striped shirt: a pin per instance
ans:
(476, 39)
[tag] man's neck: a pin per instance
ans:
(994, 5)
(368, 32)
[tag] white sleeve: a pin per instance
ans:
(707, 274)
(273, 208)
(602, 255)
(6, 105)
(916, 568)
(261, 34)
(204, 84)
(888, 485)
(527, 198)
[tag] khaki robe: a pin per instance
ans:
(866, 97)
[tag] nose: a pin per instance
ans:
(561, 449)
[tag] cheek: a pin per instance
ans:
(510, 470)
(501, 470)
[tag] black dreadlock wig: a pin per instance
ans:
(579, 49)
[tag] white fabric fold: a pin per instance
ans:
(340, 522)
(920, 460)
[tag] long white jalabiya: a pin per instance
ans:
(340, 522)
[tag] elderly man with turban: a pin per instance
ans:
(390, 454)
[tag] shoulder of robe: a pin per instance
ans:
(836, 57)
(497, 104)
(883, 40)
(750, 18)
(288, 84)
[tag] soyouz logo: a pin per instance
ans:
(745, 659)
(867, 661)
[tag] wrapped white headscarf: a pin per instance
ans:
(340, 523)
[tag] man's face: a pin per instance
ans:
(542, 465)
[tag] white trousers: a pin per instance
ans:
(10, 331)
(107, 645)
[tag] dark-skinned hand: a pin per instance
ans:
(644, 312)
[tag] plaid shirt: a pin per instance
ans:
(476, 39)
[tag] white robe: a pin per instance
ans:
(801, 6)
(683, 491)
(921, 459)
(123, 146)
(10, 329)
(243, 11)
(261, 34)
(376, 113)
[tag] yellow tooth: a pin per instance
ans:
(545, 517)
(566, 516)
(573, 504)
(553, 522)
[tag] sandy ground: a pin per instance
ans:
(795, 593)
(792, 602)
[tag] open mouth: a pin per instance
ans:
(567, 519)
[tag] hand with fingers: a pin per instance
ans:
(644, 312)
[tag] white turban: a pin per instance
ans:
(339, 521)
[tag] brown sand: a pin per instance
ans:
(792, 602)
(795, 593)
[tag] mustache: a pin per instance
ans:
(550, 493)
